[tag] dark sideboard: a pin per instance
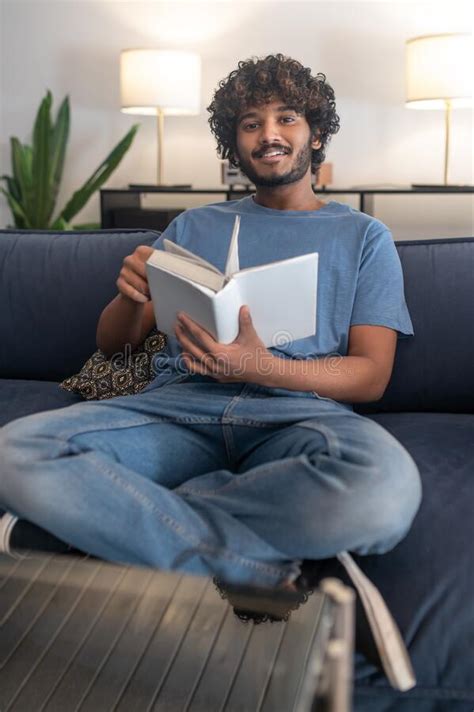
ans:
(122, 207)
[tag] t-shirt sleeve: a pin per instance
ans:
(380, 296)
(170, 233)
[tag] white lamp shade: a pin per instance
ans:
(152, 79)
(439, 68)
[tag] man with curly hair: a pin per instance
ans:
(282, 86)
(249, 460)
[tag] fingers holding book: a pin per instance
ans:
(237, 361)
(132, 281)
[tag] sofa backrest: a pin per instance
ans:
(53, 288)
(434, 370)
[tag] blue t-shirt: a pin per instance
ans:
(360, 279)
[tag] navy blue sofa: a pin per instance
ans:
(53, 288)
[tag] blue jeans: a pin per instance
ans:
(235, 480)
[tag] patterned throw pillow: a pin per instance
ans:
(122, 375)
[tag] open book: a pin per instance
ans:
(281, 295)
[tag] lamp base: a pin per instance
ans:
(154, 187)
(441, 186)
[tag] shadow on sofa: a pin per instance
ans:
(53, 289)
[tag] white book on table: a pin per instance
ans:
(281, 295)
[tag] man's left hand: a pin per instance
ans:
(245, 359)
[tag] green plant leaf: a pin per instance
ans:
(21, 157)
(37, 171)
(21, 219)
(60, 224)
(100, 175)
(13, 187)
(41, 167)
(59, 139)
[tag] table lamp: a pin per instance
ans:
(160, 83)
(439, 75)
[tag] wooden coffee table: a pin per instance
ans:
(82, 634)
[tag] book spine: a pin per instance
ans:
(226, 306)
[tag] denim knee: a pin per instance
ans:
(21, 446)
(10, 445)
(9, 454)
(393, 504)
(12, 457)
(363, 500)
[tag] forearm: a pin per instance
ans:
(342, 378)
(120, 323)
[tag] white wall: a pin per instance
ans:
(73, 46)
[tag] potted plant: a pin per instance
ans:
(32, 189)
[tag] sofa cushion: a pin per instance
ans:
(433, 370)
(427, 580)
(20, 397)
(53, 289)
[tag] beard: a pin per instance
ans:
(299, 169)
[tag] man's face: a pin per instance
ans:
(274, 144)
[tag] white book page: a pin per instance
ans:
(186, 269)
(226, 304)
(171, 294)
(282, 297)
(232, 262)
(217, 313)
(172, 247)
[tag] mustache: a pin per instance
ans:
(276, 147)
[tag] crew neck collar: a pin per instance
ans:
(257, 208)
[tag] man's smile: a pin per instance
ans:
(271, 155)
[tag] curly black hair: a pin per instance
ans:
(258, 81)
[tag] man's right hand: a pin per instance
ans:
(132, 281)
